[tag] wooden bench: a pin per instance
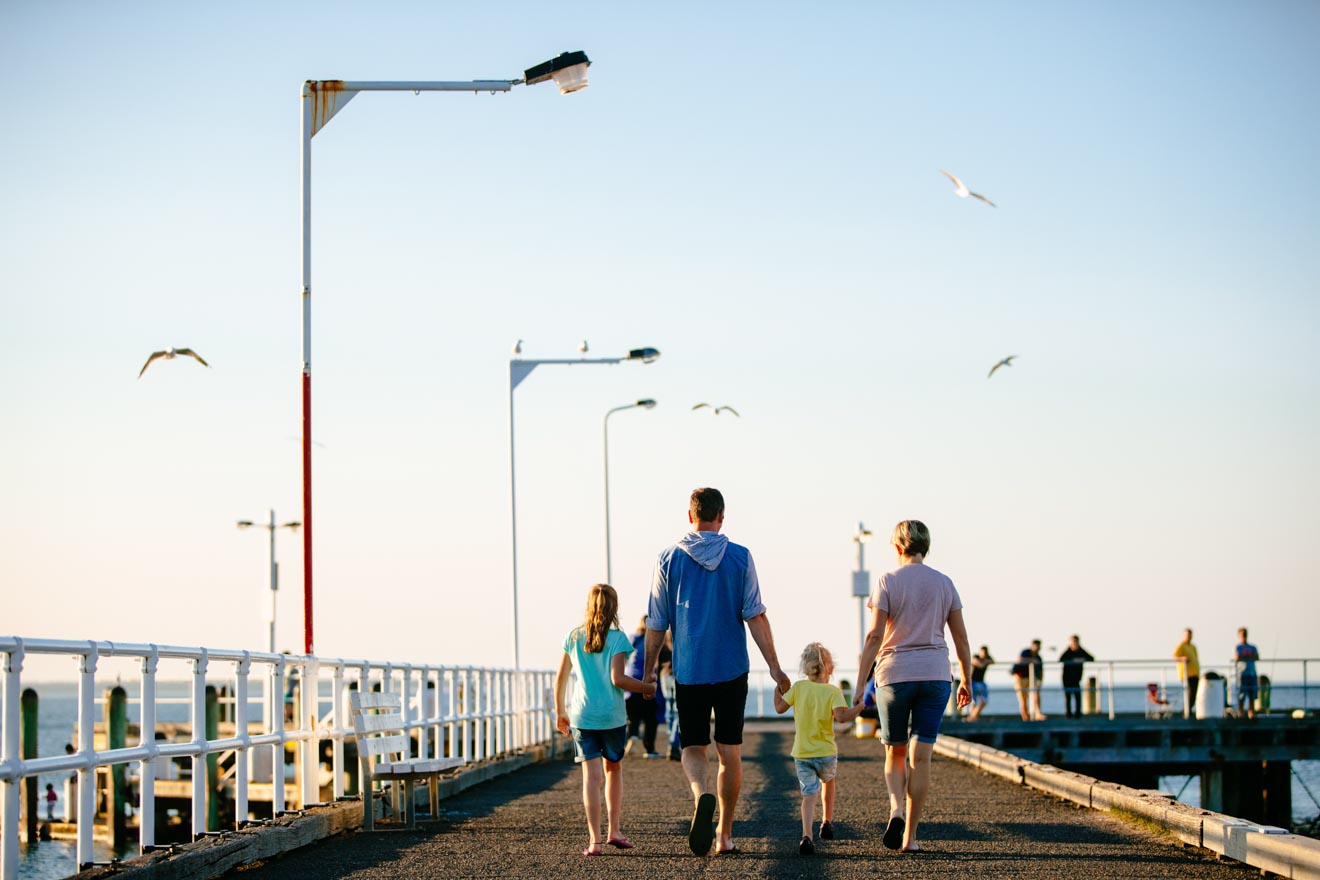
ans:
(378, 725)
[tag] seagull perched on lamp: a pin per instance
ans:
(170, 354)
(1006, 362)
(716, 409)
(961, 190)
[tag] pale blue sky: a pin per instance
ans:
(754, 190)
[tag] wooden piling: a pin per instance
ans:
(116, 728)
(28, 732)
(212, 761)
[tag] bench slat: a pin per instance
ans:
(374, 700)
(376, 723)
(382, 745)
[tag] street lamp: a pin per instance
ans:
(861, 583)
(321, 100)
(644, 404)
(519, 369)
(274, 566)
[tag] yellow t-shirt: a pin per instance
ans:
(1188, 652)
(813, 717)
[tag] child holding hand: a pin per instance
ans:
(597, 720)
(817, 706)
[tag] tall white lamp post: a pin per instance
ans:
(644, 404)
(519, 369)
(274, 566)
(861, 588)
(321, 100)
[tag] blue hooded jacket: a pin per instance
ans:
(705, 587)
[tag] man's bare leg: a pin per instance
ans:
(729, 784)
(697, 770)
(701, 833)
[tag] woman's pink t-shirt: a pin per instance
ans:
(917, 601)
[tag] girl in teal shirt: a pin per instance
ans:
(597, 720)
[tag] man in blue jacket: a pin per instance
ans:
(705, 590)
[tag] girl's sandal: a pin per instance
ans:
(592, 851)
(620, 842)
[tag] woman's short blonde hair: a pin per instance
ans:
(815, 657)
(911, 537)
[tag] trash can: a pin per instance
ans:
(1263, 695)
(1211, 696)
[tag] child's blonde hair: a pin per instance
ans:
(815, 657)
(602, 614)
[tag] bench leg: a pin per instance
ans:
(435, 796)
(409, 803)
(367, 786)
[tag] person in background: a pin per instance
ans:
(1072, 659)
(1245, 656)
(669, 692)
(51, 798)
(1189, 665)
(1027, 674)
(596, 719)
(980, 691)
(641, 710)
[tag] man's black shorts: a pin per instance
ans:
(728, 699)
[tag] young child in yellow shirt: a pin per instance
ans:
(817, 707)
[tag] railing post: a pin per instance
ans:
(338, 722)
(1110, 664)
(87, 752)
(311, 747)
(465, 701)
(9, 754)
(275, 725)
(198, 740)
(241, 757)
(1305, 688)
(147, 766)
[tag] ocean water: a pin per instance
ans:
(58, 716)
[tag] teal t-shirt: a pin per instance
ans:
(596, 704)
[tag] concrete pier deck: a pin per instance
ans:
(530, 824)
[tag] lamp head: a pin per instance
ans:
(292, 526)
(647, 403)
(245, 523)
(645, 355)
(569, 71)
(863, 534)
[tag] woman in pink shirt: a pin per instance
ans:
(910, 608)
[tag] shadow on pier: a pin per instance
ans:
(530, 824)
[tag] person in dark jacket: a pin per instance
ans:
(1072, 660)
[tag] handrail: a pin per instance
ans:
(474, 713)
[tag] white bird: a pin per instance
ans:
(582, 347)
(962, 191)
(517, 347)
(1006, 362)
(716, 409)
(170, 354)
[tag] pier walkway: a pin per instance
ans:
(530, 824)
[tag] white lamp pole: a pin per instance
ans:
(321, 100)
(274, 566)
(644, 404)
(861, 588)
(519, 369)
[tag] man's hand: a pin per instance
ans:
(562, 725)
(649, 678)
(782, 684)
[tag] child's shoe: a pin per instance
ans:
(806, 847)
(826, 830)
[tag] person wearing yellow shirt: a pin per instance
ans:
(1189, 666)
(817, 707)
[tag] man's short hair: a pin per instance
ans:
(706, 504)
(911, 537)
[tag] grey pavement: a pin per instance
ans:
(531, 824)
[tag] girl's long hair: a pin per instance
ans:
(602, 614)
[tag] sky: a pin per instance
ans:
(752, 188)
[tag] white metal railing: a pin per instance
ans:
(1287, 675)
(469, 712)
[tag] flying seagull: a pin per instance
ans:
(717, 409)
(1006, 362)
(170, 354)
(962, 191)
